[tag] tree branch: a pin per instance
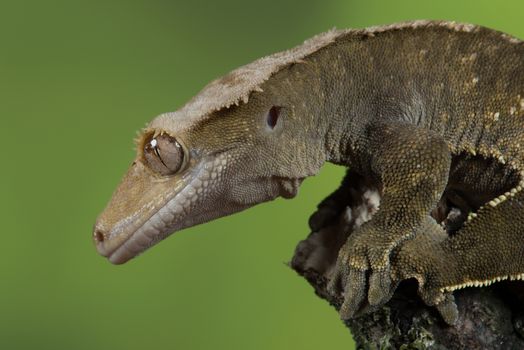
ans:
(489, 318)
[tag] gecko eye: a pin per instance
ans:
(163, 154)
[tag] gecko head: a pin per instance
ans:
(188, 171)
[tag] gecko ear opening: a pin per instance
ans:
(272, 116)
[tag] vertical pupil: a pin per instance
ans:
(272, 116)
(154, 146)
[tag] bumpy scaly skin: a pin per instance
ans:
(424, 109)
(412, 165)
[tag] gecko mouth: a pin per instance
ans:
(122, 246)
(132, 236)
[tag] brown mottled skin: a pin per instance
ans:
(433, 112)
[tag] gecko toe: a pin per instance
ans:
(379, 287)
(448, 309)
(354, 295)
(333, 286)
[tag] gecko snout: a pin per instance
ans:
(116, 245)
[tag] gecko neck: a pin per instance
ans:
(335, 101)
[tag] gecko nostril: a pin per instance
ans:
(98, 236)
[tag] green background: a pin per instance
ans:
(77, 80)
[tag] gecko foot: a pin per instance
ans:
(362, 273)
(424, 259)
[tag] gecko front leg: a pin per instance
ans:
(412, 166)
